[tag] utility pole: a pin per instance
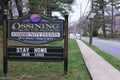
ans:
(91, 24)
(80, 19)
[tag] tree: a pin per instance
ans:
(46, 6)
(99, 6)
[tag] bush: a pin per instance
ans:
(85, 34)
(95, 34)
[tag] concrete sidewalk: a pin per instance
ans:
(99, 68)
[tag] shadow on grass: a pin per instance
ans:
(24, 76)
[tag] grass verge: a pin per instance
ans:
(48, 70)
(111, 59)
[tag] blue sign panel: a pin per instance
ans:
(35, 29)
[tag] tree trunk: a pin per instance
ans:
(112, 24)
(90, 32)
(103, 24)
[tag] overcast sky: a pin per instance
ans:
(79, 9)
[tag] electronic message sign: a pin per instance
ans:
(34, 53)
(35, 29)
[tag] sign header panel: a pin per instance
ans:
(35, 29)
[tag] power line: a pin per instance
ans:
(86, 7)
(85, 12)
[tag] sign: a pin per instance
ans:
(35, 53)
(35, 29)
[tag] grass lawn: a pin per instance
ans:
(111, 59)
(47, 70)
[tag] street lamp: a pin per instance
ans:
(91, 28)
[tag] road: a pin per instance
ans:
(110, 46)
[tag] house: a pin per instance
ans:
(107, 28)
(116, 27)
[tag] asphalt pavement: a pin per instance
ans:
(112, 47)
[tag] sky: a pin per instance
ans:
(80, 9)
